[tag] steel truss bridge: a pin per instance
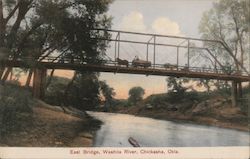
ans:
(150, 43)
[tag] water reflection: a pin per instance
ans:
(117, 128)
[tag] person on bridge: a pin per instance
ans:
(136, 58)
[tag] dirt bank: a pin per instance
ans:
(53, 128)
(213, 112)
(178, 117)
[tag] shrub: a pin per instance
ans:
(14, 103)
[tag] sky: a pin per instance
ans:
(167, 17)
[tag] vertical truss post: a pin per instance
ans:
(178, 53)
(147, 53)
(148, 46)
(154, 49)
(177, 58)
(188, 62)
(115, 50)
(118, 44)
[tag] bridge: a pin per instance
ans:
(163, 55)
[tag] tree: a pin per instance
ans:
(55, 91)
(83, 92)
(176, 85)
(176, 90)
(34, 28)
(136, 94)
(31, 30)
(108, 93)
(228, 22)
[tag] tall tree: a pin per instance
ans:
(84, 91)
(228, 22)
(108, 93)
(136, 94)
(35, 28)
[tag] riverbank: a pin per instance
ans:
(51, 126)
(214, 112)
(177, 117)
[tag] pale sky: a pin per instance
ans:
(167, 17)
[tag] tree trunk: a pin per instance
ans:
(6, 74)
(50, 78)
(68, 87)
(27, 84)
(2, 25)
(1, 72)
(22, 11)
(11, 74)
(39, 83)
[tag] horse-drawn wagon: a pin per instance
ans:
(141, 63)
(122, 62)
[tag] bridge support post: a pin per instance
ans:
(234, 93)
(240, 93)
(39, 82)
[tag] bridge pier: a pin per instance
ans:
(39, 82)
(234, 94)
(240, 93)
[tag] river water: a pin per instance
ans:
(117, 128)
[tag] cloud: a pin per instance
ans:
(134, 21)
(163, 25)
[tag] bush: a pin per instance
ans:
(15, 103)
(157, 99)
(54, 94)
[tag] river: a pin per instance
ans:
(117, 128)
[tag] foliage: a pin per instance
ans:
(108, 93)
(32, 28)
(83, 92)
(176, 88)
(228, 22)
(136, 95)
(54, 25)
(157, 99)
(15, 106)
(54, 94)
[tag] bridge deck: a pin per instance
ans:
(131, 70)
